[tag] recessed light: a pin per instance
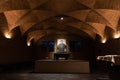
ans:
(62, 18)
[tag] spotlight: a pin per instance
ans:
(117, 35)
(62, 18)
(29, 43)
(103, 40)
(8, 35)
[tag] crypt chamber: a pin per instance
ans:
(60, 36)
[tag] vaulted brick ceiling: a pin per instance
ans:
(36, 18)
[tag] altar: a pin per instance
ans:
(62, 66)
(61, 62)
(64, 56)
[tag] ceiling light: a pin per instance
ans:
(61, 18)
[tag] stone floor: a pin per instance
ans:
(38, 76)
(25, 72)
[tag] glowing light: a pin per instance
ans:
(61, 40)
(8, 35)
(29, 43)
(61, 18)
(117, 35)
(103, 40)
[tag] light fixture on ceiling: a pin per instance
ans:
(8, 35)
(61, 18)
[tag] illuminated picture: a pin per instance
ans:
(61, 45)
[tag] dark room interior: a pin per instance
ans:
(59, 39)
